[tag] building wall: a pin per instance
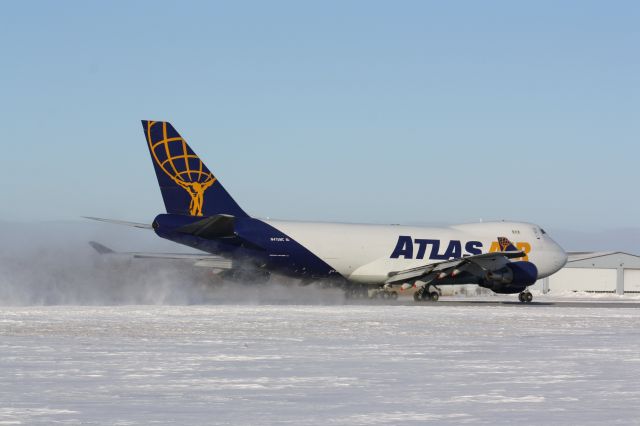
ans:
(583, 279)
(632, 280)
(595, 272)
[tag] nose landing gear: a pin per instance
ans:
(525, 297)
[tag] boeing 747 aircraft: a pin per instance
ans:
(506, 257)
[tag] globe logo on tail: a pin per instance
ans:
(176, 160)
(504, 243)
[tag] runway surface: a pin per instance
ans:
(502, 302)
(453, 362)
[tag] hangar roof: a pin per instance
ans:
(603, 259)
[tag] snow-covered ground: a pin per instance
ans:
(309, 365)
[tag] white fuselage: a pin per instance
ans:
(368, 253)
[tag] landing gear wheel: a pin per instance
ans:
(525, 297)
(434, 296)
(417, 297)
(393, 295)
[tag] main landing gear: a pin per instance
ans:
(426, 294)
(364, 292)
(525, 297)
(356, 292)
(384, 292)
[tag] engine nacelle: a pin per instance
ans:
(513, 278)
(523, 273)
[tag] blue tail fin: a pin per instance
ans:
(187, 185)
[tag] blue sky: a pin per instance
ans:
(401, 112)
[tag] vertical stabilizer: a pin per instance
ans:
(187, 185)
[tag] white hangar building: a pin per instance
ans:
(597, 272)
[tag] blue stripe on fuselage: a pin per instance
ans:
(254, 241)
(283, 251)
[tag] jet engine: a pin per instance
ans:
(515, 277)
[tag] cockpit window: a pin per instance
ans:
(542, 230)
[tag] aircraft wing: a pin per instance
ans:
(485, 262)
(202, 260)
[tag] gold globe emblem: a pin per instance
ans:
(177, 163)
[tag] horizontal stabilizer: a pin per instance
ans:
(203, 260)
(120, 222)
(218, 226)
(100, 248)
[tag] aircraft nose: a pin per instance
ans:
(564, 256)
(560, 255)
